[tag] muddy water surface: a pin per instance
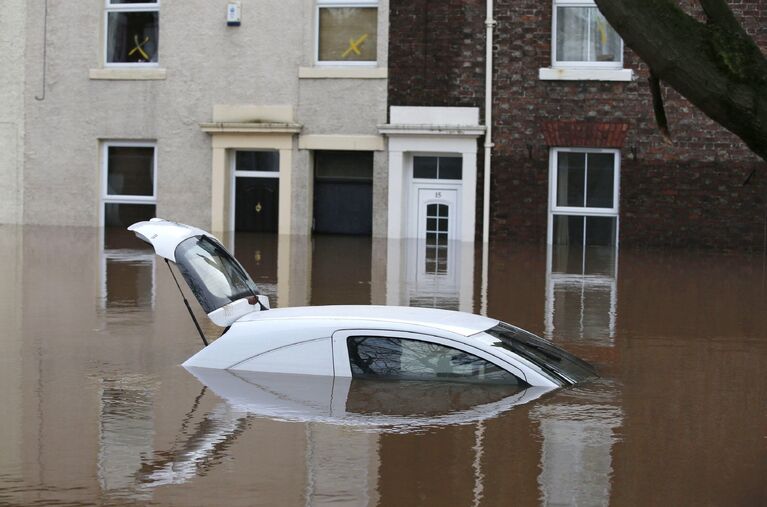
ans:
(97, 410)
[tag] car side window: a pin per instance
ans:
(384, 357)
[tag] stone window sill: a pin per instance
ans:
(127, 74)
(555, 74)
(342, 73)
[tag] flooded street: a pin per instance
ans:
(98, 410)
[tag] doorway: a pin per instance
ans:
(256, 191)
(343, 192)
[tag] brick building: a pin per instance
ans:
(565, 109)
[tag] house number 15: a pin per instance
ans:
(437, 195)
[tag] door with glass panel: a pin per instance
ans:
(256, 191)
(436, 227)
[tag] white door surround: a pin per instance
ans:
(440, 131)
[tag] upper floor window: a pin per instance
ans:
(583, 37)
(132, 32)
(347, 32)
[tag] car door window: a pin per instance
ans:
(400, 358)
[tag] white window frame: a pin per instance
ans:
(554, 209)
(106, 197)
(577, 64)
(321, 4)
(109, 7)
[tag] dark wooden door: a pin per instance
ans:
(256, 204)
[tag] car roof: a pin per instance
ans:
(461, 323)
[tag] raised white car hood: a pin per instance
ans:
(221, 285)
(165, 235)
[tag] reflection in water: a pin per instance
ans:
(582, 293)
(125, 433)
(420, 273)
(386, 405)
(576, 459)
(681, 366)
(127, 271)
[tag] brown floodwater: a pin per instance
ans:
(96, 408)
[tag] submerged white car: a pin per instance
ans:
(380, 342)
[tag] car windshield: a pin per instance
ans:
(215, 277)
(553, 360)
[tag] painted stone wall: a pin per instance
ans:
(691, 194)
(12, 41)
(205, 64)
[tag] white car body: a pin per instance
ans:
(348, 341)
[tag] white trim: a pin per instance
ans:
(328, 72)
(128, 73)
(569, 74)
(322, 4)
(105, 196)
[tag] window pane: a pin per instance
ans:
(257, 161)
(568, 230)
(600, 180)
(397, 358)
(605, 42)
(123, 215)
(343, 165)
(130, 170)
(572, 34)
(450, 168)
(215, 277)
(571, 170)
(600, 231)
(348, 34)
(132, 37)
(425, 167)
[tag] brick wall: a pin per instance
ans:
(691, 194)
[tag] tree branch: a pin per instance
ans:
(719, 13)
(658, 108)
(716, 65)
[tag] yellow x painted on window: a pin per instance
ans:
(354, 45)
(139, 47)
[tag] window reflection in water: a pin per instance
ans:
(126, 433)
(576, 459)
(581, 292)
(127, 271)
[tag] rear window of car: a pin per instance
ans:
(552, 359)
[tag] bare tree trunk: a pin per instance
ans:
(715, 65)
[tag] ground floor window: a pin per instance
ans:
(129, 182)
(583, 244)
(583, 200)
